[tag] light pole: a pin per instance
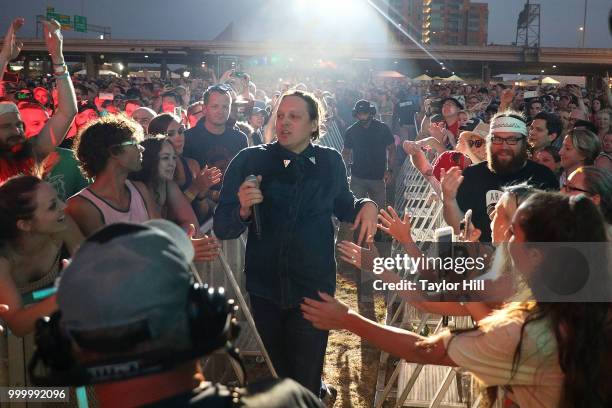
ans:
(584, 21)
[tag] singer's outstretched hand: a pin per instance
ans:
(249, 194)
(366, 222)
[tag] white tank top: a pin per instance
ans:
(136, 213)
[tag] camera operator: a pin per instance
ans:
(150, 317)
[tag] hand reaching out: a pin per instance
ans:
(393, 225)
(450, 181)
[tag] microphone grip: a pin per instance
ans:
(256, 210)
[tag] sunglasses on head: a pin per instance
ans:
(475, 143)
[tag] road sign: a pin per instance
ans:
(63, 19)
(80, 23)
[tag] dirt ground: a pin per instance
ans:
(351, 365)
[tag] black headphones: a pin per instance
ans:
(365, 107)
(212, 325)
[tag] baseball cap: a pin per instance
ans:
(453, 100)
(126, 276)
(363, 106)
(258, 111)
(448, 160)
(477, 126)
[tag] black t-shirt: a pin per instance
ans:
(482, 188)
(267, 394)
(369, 146)
(406, 108)
(213, 150)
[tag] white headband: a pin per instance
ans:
(508, 124)
(8, 107)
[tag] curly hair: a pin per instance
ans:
(95, 144)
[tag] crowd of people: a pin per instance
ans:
(88, 164)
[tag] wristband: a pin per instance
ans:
(60, 69)
(189, 195)
(60, 64)
(65, 75)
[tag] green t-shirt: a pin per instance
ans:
(65, 176)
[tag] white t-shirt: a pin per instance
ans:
(488, 355)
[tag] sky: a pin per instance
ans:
(291, 20)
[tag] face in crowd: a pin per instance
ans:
(49, 217)
(218, 109)
(34, 119)
(167, 161)
(143, 116)
(449, 109)
(538, 134)
(506, 152)
(570, 156)
(169, 103)
(535, 108)
(176, 136)
(602, 120)
(12, 133)
(545, 158)
(41, 96)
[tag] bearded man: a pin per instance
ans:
(480, 185)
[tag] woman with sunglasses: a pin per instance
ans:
(596, 184)
(193, 183)
(580, 148)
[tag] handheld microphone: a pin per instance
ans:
(256, 211)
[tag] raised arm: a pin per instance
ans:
(56, 128)
(11, 47)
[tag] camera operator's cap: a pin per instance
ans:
(8, 107)
(127, 276)
(363, 106)
(179, 237)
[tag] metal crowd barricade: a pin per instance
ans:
(432, 386)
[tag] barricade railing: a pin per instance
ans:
(426, 385)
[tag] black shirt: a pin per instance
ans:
(267, 394)
(405, 110)
(482, 188)
(213, 150)
(369, 146)
(295, 256)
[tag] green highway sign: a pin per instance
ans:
(80, 23)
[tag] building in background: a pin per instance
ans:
(445, 22)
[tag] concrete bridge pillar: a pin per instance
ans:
(91, 67)
(486, 73)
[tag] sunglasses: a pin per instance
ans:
(569, 189)
(127, 143)
(475, 143)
